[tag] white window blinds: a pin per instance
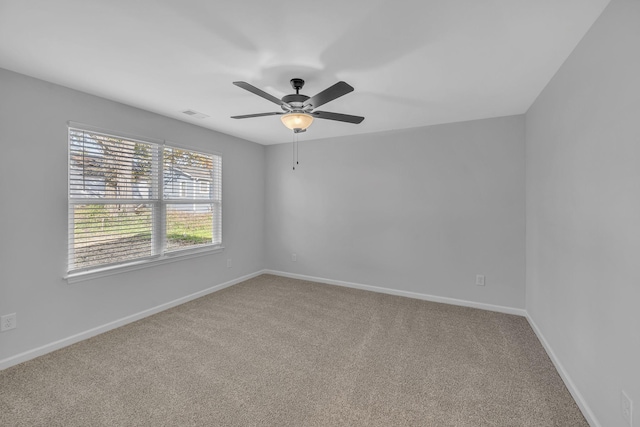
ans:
(192, 216)
(131, 199)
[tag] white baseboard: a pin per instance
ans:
(577, 396)
(415, 295)
(48, 348)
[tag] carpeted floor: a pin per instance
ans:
(281, 352)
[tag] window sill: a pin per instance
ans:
(137, 265)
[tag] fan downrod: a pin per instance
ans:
(297, 84)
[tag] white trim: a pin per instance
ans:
(408, 294)
(575, 393)
(56, 345)
(168, 256)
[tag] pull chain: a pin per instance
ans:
(294, 146)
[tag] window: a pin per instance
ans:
(131, 200)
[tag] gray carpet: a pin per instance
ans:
(281, 352)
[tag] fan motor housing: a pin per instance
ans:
(295, 100)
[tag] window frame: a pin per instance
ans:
(160, 253)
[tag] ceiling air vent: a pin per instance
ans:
(195, 114)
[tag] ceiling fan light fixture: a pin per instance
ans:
(297, 120)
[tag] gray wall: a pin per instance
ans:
(33, 215)
(422, 210)
(583, 213)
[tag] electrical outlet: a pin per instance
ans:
(294, 257)
(627, 408)
(8, 322)
(480, 280)
(229, 263)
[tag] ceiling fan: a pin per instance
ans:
(299, 110)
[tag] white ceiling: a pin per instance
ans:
(412, 63)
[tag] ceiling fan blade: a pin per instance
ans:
(337, 116)
(248, 116)
(260, 92)
(329, 94)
